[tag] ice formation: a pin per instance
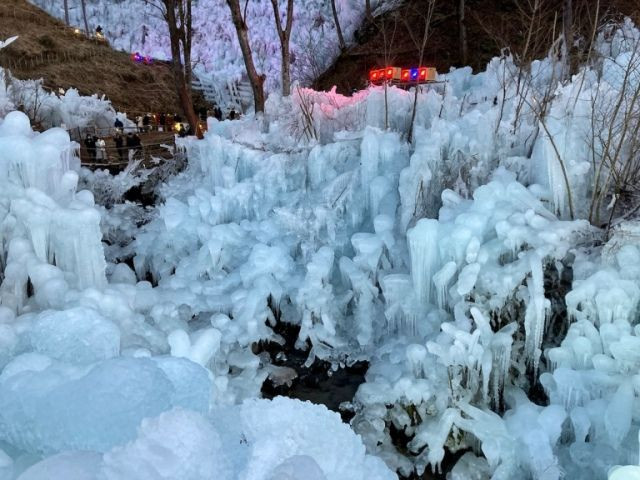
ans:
(450, 264)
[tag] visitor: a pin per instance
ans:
(217, 113)
(101, 152)
(131, 147)
(137, 145)
(118, 124)
(162, 119)
(139, 123)
(119, 141)
(98, 30)
(232, 114)
(181, 131)
(146, 122)
(90, 144)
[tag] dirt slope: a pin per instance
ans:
(50, 50)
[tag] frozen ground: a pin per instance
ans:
(499, 322)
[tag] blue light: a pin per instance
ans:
(414, 74)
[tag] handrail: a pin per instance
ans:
(79, 133)
(113, 157)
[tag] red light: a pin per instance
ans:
(423, 74)
(389, 73)
(373, 75)
(405, 75)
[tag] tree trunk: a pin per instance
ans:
(257, 81)
(284, 35)
(84, 16)
(66, 12)
(462, 33)
(181, 72)
(367, 9)
(567, 21)
(286, 71)
(336, 20)
(421, 48)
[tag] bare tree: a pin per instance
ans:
(567, 26)
(421, 44)
(388, 30)
(177, 14)
(336, 20)
(284, 35)
(66, 12)
(462, 32)
(84, 16)
(367, 9)
(256, 80)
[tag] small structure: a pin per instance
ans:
(137, 58)
(403, 76)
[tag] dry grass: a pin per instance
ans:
(48, 49)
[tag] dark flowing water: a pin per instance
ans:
(317, 383)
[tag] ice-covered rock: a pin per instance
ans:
(57, 407)
(79, 335)
(283, 428)
(77, 465)
(177, 444)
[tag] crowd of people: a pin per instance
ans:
(218, 114)
(127, 147)
(128, 143)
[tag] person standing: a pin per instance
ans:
(146, 122)
(101, 151)
(90, 145)
(119, 141)
(137, 146)
(130, 146)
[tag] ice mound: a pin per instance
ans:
(283, 428)
(50, 407)
(79, 335)
(283, 439)
(78, 465)
(179, 444)
(298, 467)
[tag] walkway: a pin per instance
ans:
(153, 148)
